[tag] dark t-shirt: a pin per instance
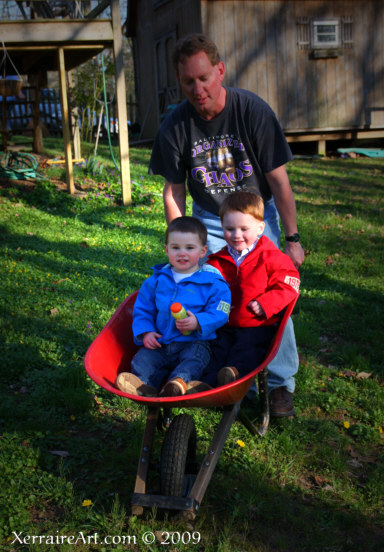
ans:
(228, 153)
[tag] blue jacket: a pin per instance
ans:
(205, 293)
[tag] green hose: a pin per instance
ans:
(107, 114)
(18, 166)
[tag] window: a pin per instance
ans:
(325, 33)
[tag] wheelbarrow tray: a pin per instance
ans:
(113, 349)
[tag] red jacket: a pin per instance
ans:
(266, 275)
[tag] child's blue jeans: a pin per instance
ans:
(185, 360)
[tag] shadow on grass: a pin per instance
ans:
(284, 519)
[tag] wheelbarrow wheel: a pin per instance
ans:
(178, 454)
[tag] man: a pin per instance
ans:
(222, 140)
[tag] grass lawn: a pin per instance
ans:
(69, 449)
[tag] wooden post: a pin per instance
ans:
(75, 122)
(322, 147)
(65, 119)
(4, 122)
(121, 103)
(38, 145)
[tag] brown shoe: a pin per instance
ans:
(228, 374)
(196, 386)
(174, 387)
(129, 383)
(281, 402)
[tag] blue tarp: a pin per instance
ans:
(363, 151)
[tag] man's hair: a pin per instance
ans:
(187, 224)
(248, 203)
(193, 44)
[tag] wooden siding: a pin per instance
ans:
(258, 42)
(154, 25)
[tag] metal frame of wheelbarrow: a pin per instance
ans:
(111, 353)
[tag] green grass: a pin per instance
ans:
(314, 483)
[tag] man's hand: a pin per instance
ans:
(256, 308)
(295, 252)
(150, 340)
(188, 324)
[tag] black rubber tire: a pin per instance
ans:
(177, 453)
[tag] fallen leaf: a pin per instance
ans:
(320, 480)
(62, 453)
(363, 375)
(355, 463)
(349, 373)
(359, 458)
(329, 261)
(54, 311)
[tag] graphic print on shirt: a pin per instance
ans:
(220, 163)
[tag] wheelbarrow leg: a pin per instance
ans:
(146, 448)
(262, 429)
(211, 458)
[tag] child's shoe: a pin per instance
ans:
(196, 386)
(173, 388)
(228, 374)
(129, 383)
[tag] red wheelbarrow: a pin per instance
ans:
(181, 489)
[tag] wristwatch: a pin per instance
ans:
(294, 238)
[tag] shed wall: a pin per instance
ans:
(258, 42)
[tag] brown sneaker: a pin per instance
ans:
(281, 402)
(228, 374)
(129, 383)
(196, 386)
(174, 387)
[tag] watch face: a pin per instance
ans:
(293, 238)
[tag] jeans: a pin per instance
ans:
(284, 366)
(185, 360)
(244, 348)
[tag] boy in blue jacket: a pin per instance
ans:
(177, 351)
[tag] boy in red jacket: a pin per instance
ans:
(263, 281)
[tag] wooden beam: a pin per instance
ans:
(121, 104)
(98, 9)
(55, 31)
(341, 135)
(65, 121)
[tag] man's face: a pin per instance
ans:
(201, 83)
